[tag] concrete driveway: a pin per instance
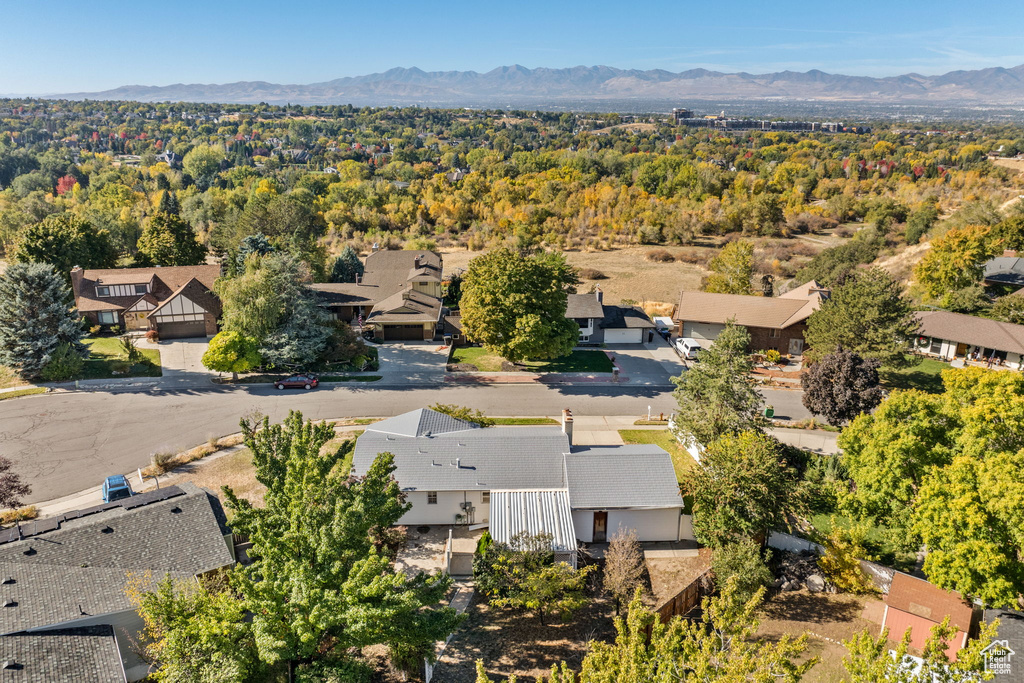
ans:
(655, 362)
(412, 362)
(182, 362)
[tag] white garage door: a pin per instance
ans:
(623, 336)
(706, 331)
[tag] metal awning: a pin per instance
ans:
(535, 511)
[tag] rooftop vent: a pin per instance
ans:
(8, 602)
(175, 509)
(31, 551)
(11, 664)
(9, 580)
(107, 530)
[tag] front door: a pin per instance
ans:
(600, 527)
(796, 347)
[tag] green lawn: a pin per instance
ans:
(22, 392)
(924, 376)
(577, 361)
(105, 353)
(878, 545)
(524, 421)
(661, 437)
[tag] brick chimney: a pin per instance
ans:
(567, 424)
(416, 262)
(76, 279)
(599, 294)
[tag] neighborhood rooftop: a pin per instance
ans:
(973, 330)
(598, 476)
(87, 654)
(779, 312)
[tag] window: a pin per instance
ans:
(485, 497)
(584, 337)
(103, 291)
(107, 318)
(431, 497)
(455, 336)
(774, 334)
(936, 346)
(141, 289)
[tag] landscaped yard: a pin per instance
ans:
(105, 356)
(924, 376)
(661, 437)
(22, 392)
(577, 361)
(879, 545)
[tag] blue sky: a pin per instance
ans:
(49, 46)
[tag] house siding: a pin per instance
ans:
(761, 338)
(650, 525)
(449, 504)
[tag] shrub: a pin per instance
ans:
(742, 562)
(120, 367)
(592, 274)
(843, 548)
(95, 329)
(772, 356)
(115, 329)
(162, 462)
(19, 515)
(660, 256)
(130, 352)
(152, 336)
(64, 364)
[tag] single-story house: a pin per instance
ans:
(918, 605)
(1007, 269)
(601, 323)
(398, 295)
(775, 323)
(176, 301)
(956, 335)
(64, 576)
(515, 479)
(89, 654)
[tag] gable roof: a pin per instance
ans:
(87, 654)
(198, 293)
(608, 477)
(421, 422)
(751, 311)
(407, 306)
(77, 564)
(920, 598)
(386, 273)
(970, 329)
(625, 317)
(164, 282)
(1005, 269)
(584, 306)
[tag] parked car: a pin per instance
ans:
(305, 380)
(688, 347)
(116, 487)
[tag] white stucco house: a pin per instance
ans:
(515, 479)
(955, 336)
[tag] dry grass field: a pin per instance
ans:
(1012, 164)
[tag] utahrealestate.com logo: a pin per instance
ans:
(997, 657)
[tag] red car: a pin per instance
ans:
(303, 381)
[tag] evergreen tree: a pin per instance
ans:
(36, 317)
(169, 241)
(252, 244)
(321, 583)
(346, 266)
(168, 203)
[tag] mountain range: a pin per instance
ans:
(518, 86)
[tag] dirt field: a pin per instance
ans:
(632, 127)
(509, 641)
(829, 619)
(1012, 164)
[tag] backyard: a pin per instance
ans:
(923, 376)
(681, 460)
(106, 357)
(486, 361)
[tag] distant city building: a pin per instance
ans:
(685, 117)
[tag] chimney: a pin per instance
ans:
(600, 295)
(458, 463)
(416, 262)
(375, 248)
(567, 424)
(359, 278)
(76, 279)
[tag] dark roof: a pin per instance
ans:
(198, 293)
(453, 323)
(166, 281)
(625, 317)
(969, 329)
(1011, 629)
(608, 477)
(584, 306)
(920, 598)
(1006, 270)
(83, 655)
(386, 273)
(408, 306)
(345, 293)
(78, 563)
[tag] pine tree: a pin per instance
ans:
(169, 203)
(346, 266)
(36, 316)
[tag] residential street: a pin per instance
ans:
(62, 443)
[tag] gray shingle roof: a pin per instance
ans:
(603, 477)
(1005, 269)
(584, 306)
(408, 306)
(970, 329)
(421, 422)
(83, 655)
(82, 566)
(492, 458)
(625, 317)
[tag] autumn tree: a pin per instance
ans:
(956, 260)
(231, 352)
(64, 240)
(717, 396)
(36, 318)
(202, 163)
(743, 486)
(623, 567)
(731, 269)
(322, 584)
(841, 386)
(515, 305)
(167, 240)
(868, 315)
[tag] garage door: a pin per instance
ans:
(705, 331)
(181, 330)
(395, 332)
(623, 336)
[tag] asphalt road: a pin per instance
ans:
(63, 443)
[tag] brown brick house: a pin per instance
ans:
(176, 301)
(773, 322)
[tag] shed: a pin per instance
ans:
(918, 605)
